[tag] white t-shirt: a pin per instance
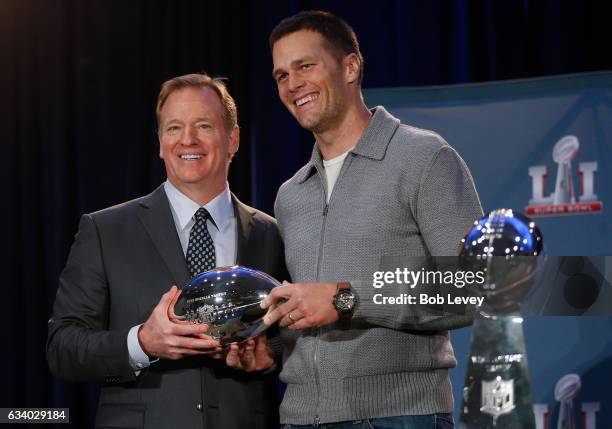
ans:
(332, 171)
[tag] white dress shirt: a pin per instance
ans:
(222, 230)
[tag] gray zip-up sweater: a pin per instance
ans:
(402, 191)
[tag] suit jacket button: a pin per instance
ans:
(199, 407)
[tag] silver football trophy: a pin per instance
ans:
(508, 247)
(566, 390)
(228, 300)
(563, 153)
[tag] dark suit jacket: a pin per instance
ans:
(121, 262)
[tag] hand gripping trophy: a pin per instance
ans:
(508, 247)
(228, 300)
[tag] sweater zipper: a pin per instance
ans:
(317, 420)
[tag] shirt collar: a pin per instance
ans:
(372, 143)
(220, 208)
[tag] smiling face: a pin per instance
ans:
(195, 142)
(311, 81)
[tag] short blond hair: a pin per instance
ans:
(200, 80)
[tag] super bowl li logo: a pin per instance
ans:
(567, 388)
(562, 200)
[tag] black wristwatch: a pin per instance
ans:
(345, 300)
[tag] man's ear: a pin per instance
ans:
(352, 67)
(234, 141)
(161, 156)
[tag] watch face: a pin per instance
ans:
(345, 301)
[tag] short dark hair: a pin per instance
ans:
(338, 35)
(200, 80)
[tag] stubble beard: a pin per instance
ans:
(325, 120)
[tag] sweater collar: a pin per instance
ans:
(372, 143)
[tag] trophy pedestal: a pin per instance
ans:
(497, 392)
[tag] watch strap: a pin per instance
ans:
(342, 285)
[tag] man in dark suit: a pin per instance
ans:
(109, 323)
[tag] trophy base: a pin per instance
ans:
(497, 394)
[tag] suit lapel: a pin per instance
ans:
(157, 219)
(244, 218)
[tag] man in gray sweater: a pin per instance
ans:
(374, 188)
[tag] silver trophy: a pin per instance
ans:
(508, 247)
(563, 153)
(228, 300)
(566, 389)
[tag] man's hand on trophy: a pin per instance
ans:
(159, 337)
(251, 355)
(301, 305)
